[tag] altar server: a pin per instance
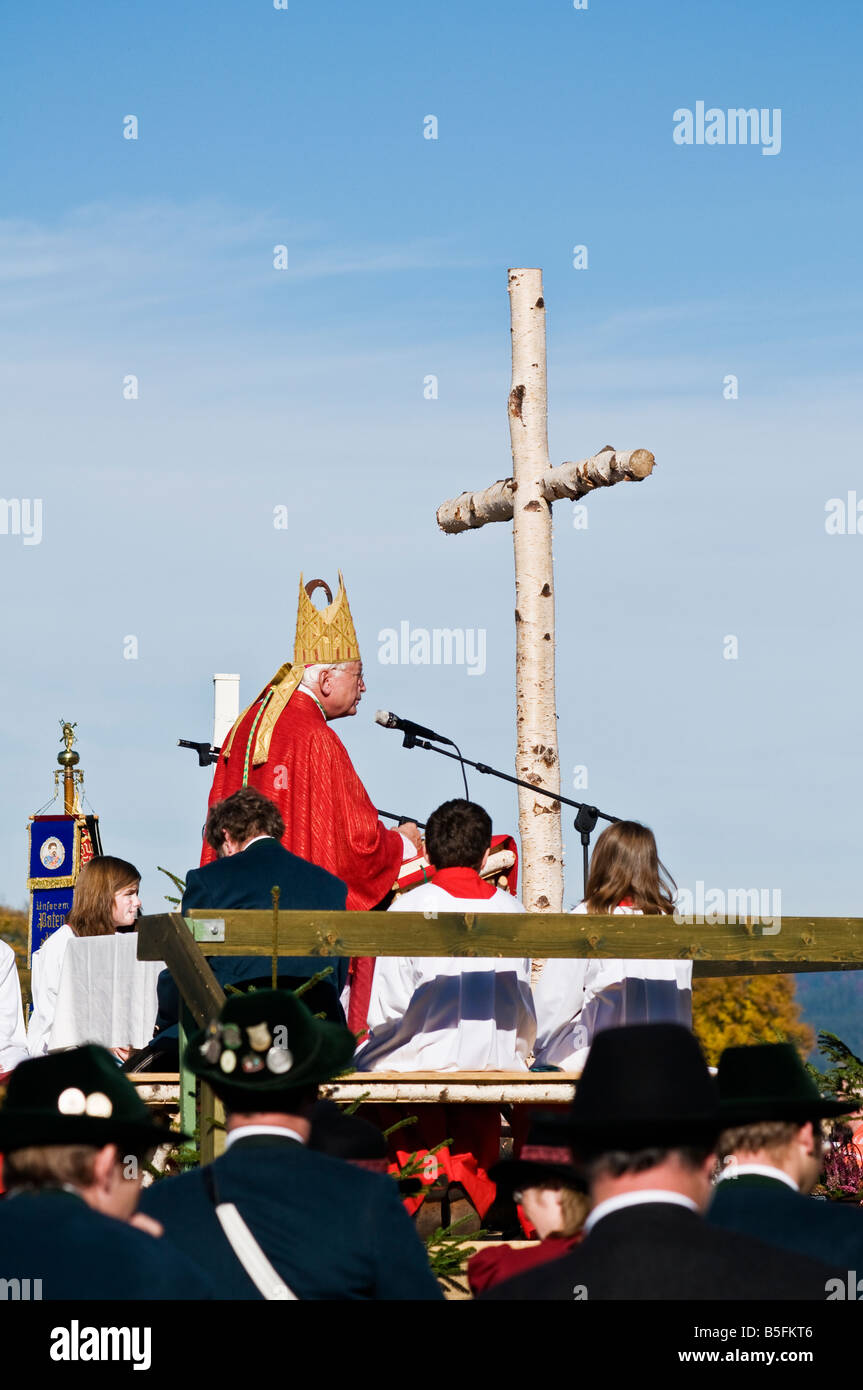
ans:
(576, 999)
(451, 1013)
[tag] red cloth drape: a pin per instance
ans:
(474, 1131)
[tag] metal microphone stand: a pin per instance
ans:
(585, 821)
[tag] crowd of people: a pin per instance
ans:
(658, 1182)
(619, 1194)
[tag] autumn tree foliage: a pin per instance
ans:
(740, 1010)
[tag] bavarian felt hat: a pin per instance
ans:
(643, 1086)
(79, 1096)
(769, 1082)
(265, 1045)
(543, 1158)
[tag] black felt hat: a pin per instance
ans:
(79, 1096)
(543, 1158)
(643, 1086)
(769, 1082)
(354, 1139)
(266, 1045)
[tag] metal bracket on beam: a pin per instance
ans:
(206, 929)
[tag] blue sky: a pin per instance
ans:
(304, 388)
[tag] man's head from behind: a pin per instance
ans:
(108, 1179)
(645, 1114)
(772, 1111)
(796, 1149)
(241, 817)
(458, 835)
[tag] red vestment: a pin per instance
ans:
(329, 819)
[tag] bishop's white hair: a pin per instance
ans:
(312, 674)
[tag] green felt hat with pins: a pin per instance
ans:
(264, 1045)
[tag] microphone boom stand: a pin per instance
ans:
(585, 821)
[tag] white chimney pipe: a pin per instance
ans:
(226, 706)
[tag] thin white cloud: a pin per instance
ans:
(153, 253)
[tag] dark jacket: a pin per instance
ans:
(78, 1253)
(769, 1210)
(331, 1231)
(659, 1250)
(245, 880)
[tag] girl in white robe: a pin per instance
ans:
(576, 999)
(106, 901)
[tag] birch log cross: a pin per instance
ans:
(526, 500)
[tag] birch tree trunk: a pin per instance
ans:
(537, 757)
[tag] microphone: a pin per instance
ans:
(388, 720)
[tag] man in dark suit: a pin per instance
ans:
(75, 1136)
(771, 1157)
(271, 1218)
(245, 830)
(643, 1128)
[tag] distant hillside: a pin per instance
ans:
(13, 930)
(833, 1003)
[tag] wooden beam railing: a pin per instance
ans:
(789, 944)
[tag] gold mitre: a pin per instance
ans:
(324, 636)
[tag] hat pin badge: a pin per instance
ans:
(99, 1106)
(279, 1060)
(72, 1101)
(259, 1037)
(228, 1061)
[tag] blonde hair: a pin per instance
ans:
(574, 1207)
(92, 911)
(625, 864)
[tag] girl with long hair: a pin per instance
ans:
(576, 999)
(106, 901)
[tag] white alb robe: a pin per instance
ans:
(576, 999)
(13, 1037)
(449, 1013)
(46, 968)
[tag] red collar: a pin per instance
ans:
(626, 902)
(463, 883)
